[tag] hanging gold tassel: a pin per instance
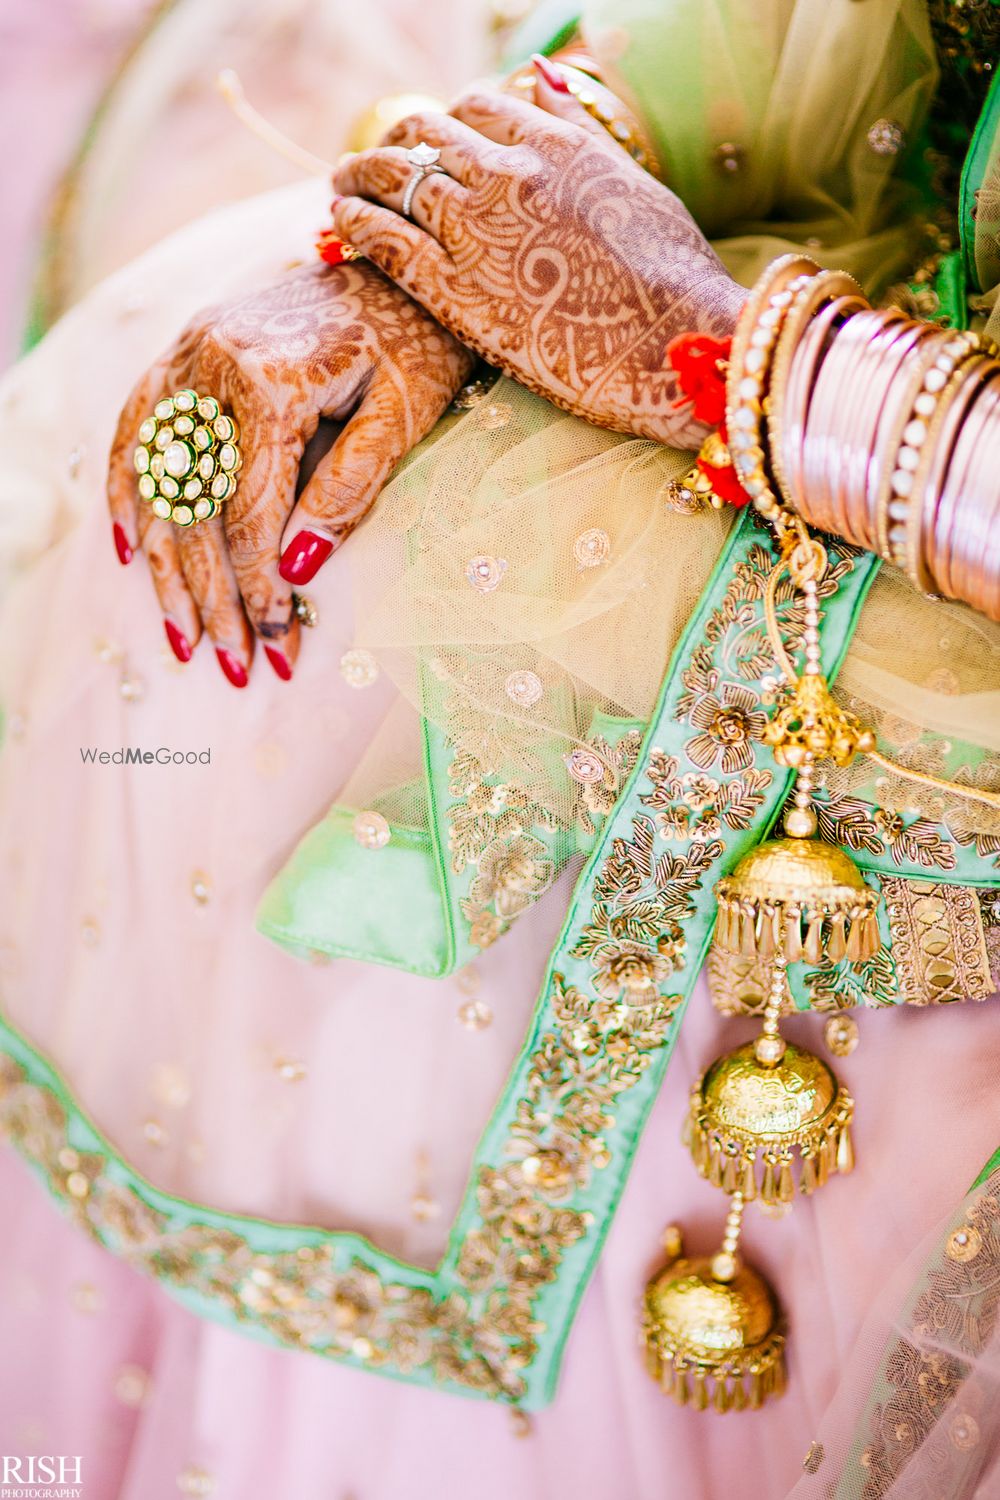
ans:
(713, 1331)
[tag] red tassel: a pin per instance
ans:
(333, 250)
(696, 359)
(700, 364)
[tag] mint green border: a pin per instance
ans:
(556, 1303)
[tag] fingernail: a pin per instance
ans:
(179, 643)
(337, 198)
(122, 546)
(550, 73)
(279, 661)
(232, 666)
(304, 556)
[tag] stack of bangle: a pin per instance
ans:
(867, 424)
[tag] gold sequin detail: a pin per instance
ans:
(154, 1133)
(475, 1015)
(195, 1481)
(290, 1069)
(841, 1035)
(371, 830)
(592, 548)
(964, 1432)
(87, 1298)
(964, 1244)
(813, 1458)
(358, 668)
(171, 1086)
(493, 415)
(132, 1386)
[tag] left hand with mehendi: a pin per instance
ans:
(547, 250)
(337, 343)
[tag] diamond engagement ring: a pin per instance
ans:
(424, 160)
(187, 458)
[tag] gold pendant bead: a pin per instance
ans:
(751, 1122)
(800, 822)
(714, 1333)
(801, 896)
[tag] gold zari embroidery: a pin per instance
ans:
(938, 942)
(481, 1336)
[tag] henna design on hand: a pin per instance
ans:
(559, 261)
(338, 342)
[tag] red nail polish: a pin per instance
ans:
(122, 546)
(304, 556)
(550, 73)
(179, 643)
(279, 661)
(232, 666)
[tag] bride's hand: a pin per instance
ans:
(546, 249)
(336, 342)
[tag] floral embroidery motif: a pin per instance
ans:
(485, 573)
(696, 805)
(513, 873)
(839, 986)
(596, 798)
(857, 825)
(493, 825)
(480, 1337)
(728, 722)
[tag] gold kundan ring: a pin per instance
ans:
(188, 458)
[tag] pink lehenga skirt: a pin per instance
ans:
(343, 1094)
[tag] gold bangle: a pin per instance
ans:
(603, 106)
(900, 456)
(807, 302)
(935, 445)
(756, 334)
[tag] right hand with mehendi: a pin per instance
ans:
(545, 248)
(322, 342)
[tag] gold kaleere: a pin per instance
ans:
(763, 1128)
(713, 1329)
(768, 1119)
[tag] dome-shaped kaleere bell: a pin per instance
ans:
(751, 1121)
(800, 897)
(714, 1333)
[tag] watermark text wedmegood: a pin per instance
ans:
(131, 756)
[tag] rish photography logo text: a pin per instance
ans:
(41, 1477)
(131, 756)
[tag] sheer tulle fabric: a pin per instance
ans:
(795, 88)
(525, 492)
(917, 1416)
